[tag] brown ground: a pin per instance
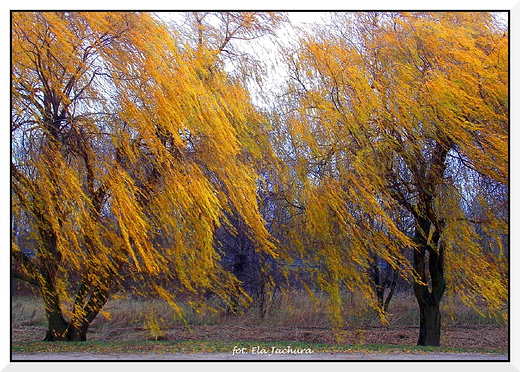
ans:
(481, 337)
(455, 336)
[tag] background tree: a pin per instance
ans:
(390, 112)
(230, 41)
(127, 149)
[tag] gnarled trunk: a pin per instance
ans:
(61, 330)
(429, 299)
(85, 311)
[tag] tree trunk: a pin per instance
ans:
(430, 324)
(61, 330)
(392, 290)
(58, 327)
(380, 281)
(75, 330)
(429, 299)
(64, 331)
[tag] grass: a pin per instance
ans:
(200, 346)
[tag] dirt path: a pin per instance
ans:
(357, 356)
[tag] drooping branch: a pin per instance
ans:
(24, 269)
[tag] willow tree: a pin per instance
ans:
(128, 146)
(394, 121)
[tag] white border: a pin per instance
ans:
(5, 334)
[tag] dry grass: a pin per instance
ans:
(27, 310)
(292, 309)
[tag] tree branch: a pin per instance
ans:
(29, 271)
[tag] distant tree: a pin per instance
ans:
(387, 114)
(383, 276)
(226, 40)
(128, 147)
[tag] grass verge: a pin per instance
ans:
(202, 346)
